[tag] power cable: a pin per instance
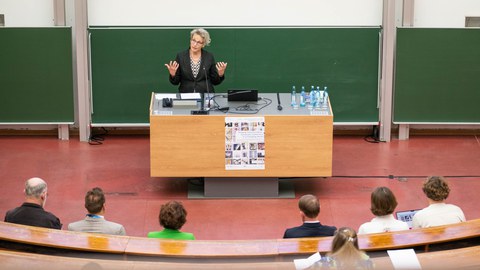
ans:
(97, 139)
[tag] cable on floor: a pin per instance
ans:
(374, 137)
(97, 139)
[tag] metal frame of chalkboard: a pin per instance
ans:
(404, 127)
(62, 127)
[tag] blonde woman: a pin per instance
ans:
(195, 69)
(345, 253)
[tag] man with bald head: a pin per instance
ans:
(31, 212)
(309, 209)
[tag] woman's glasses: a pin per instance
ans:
(196, 42)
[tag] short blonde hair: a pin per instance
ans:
(203, 33)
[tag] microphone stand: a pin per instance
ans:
(202, 110)
(208, 89)
(279, 107)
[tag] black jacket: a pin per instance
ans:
(33, 214)
(310, 230)
(184, 75)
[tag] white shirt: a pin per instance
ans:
(383, 224)
(438, 214)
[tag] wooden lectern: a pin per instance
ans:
(298, 143)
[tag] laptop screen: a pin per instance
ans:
(407, 216)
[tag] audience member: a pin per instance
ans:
(438, 212)
(31, 212)
(172, 217)
(311, 227)
(95, 221)
(345, 253)
(383, 203)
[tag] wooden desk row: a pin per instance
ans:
(463, 258)
(126, 247)
(26, 261)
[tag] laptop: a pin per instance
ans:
(407, 216)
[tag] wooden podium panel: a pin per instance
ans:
(194, 146)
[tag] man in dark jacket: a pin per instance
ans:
(311, 227)
(31, 212)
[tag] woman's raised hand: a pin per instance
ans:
(172, 68)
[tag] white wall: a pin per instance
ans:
(444, 13)
(428, 13)
(235, 12)
(27, 13)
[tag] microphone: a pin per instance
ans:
(202, 110)
(279, 107)
(206, 83)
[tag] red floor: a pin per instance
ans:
(121, 167)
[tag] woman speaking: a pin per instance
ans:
(195, 69)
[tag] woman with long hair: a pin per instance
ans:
(345, 253)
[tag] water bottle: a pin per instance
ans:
(318, 98)
(294, 97)
(312, 97)
(302, 97)
(325, 96)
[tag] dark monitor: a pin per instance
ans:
(242, 95)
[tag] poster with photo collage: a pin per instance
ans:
(244, 143)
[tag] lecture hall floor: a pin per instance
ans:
(121, 167)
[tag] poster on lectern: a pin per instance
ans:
(244, 143)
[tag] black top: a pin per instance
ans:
(310, 230)
(33, 214)
(184, 75)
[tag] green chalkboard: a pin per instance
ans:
(36, 78)
(128, 64)
(437, 76)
